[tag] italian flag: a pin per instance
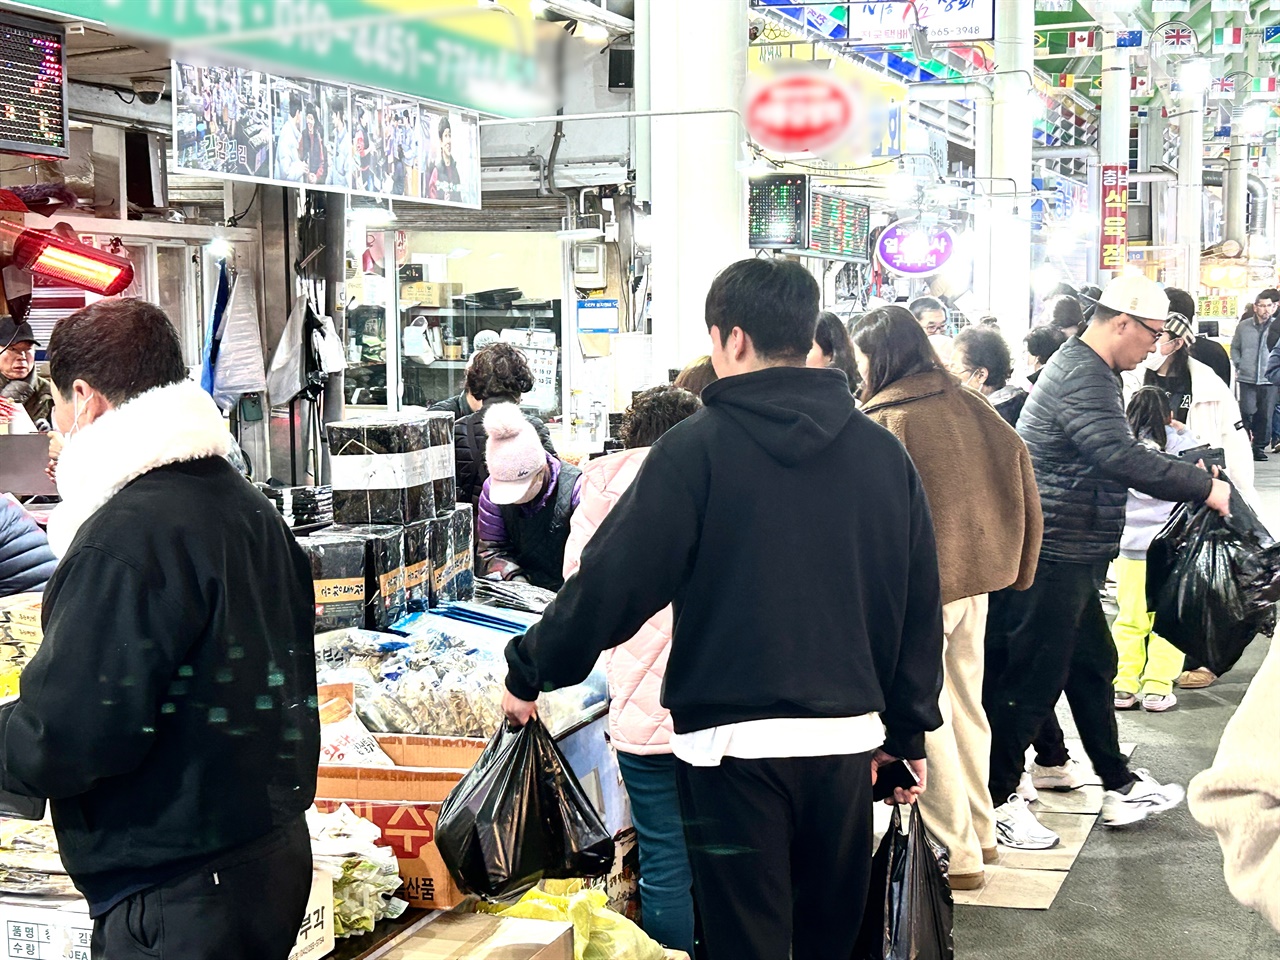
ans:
(1082, 40)
(1228, 40)
(1263, 85)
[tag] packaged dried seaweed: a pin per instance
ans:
(439, 587)
(417, 564)
(443, 465)
(384, 572)
(381, 468)
(338, 576)
(462, 543)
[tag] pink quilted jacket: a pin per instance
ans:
(637, 721)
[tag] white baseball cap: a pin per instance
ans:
(1137, 296)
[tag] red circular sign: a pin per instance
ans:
(805, 112)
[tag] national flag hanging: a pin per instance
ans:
(1064, 79)
(1228, 40)
(1170, 6)
(1058, 42)
(1271, 36)
(1129, 38)
(1139, 86)
(1228, 6)
(1042, 40)
(1095, 85)
(1222, 88)
(1177, 38)
(1264, 86)
(1079, 40)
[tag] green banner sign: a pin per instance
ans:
(445, 50)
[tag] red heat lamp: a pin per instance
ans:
(72, 262)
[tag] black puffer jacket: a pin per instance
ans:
(26, 562)
(1086, 457)
(470, 441)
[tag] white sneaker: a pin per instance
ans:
(1027, 790)
(1017, 827)
(1069, 776)
(1145, 797)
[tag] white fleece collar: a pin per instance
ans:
(166, 425)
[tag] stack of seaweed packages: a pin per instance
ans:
(301, 506)
(393, 489)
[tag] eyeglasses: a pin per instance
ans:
(1156, 335)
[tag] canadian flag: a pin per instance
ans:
(1139, 85)
(1082, 40)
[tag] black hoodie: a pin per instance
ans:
(793, 538)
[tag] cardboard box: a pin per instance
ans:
(59, 932)
(426, 768)
(409, 829)
(404, 801)
(473, 936)
(315, 936)
(429, 294)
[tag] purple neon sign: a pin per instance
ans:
(911, 250)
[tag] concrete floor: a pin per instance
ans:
(1154, 890)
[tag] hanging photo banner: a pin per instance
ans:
(248, 125)
(881, 22)
(1113, 239)
(909, 249)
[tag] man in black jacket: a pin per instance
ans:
(1055, 635)
(793, 538)
(170, 713)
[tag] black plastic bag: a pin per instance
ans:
(1213, 582)
(909, 907)
(518, 816)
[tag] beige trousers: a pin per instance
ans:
(956, 804)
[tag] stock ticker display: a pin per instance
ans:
(33, 113)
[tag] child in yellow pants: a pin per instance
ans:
(1148, 664)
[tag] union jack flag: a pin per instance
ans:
(1222, 87)
(1176, 37)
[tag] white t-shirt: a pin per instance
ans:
(779, 738)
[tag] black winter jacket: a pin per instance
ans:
(457, 405)
(170, 713)
(1086, 457)
(470, 441)
(26, 562)
(793, 538)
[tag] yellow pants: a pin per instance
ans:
(1148, 662)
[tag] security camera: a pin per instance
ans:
(148, 89)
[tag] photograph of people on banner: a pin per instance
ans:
(222, 120)
(243, 124)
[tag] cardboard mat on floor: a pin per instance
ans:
(1031, 879)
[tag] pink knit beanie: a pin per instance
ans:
(514, 454)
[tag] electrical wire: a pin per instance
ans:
(235, 219)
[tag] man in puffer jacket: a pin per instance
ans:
(1086, 459)
(639, 726)
(26, 562)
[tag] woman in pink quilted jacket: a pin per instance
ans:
(638, 725)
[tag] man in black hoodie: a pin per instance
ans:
(792, 536)
(170, 713)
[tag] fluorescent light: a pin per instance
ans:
(457, 253)
(220, 247)
(1195, 74)
(594, 32)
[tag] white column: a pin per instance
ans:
(982, 213)
(1011, 126)
(1113, 132)
(1190, 190)
(1236, 192)
(699, 222)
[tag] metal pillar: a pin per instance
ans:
(1113, 132)
(694, 168)
(1009, 146)
(643, 130)
(1190, 191)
